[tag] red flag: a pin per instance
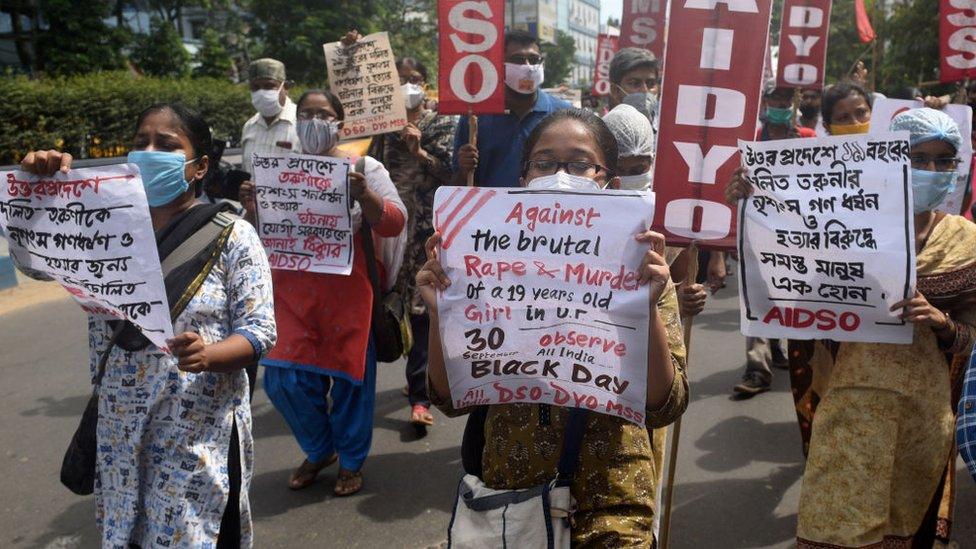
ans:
(957, 47)
(864, 29)
(606, 46)
(642, 25)
(803, 43)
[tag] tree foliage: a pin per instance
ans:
(76, 39)
(213, 59)
(161, 52)
(560, 58)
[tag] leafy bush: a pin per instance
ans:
(98, 111)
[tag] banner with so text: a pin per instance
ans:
(642, 25)
(884, 110)
(89, 230)
(544, 304)
(957, 40)
(304, 212)
(709, 101)
(803, 44)
(472, 53)
(826, 241)
(364, 78)
(606, 47)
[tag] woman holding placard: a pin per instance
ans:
(614, 484)
(883, 431)
(324, 348)
(175, 448)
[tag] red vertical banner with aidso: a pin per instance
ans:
(642, 25)
(957, 40)
(709, 100)
(606, 46)
(803, 44)
(472, 51)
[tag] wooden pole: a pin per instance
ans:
(690, 277)
(472, 139)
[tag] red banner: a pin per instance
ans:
(803, 44)
(709, 100)
(643, 26)
(957, 40)
(472, 52)
(606, 46)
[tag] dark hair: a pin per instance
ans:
(629, 59)
(329, 96)
(194, 126)
(594, 125)
(520, 37)
(417, 65)
(840, 90)
(907, 92)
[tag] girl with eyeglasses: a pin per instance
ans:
(616, 479)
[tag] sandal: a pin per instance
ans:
(305, 475)
(348, 483)
(420, 415)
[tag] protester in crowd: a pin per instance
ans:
(881, 436)
(810, 112)
(846, 109)
(419, 161)
(160, 412)
(497, 158)
(322, 375)
(615, 482)
(272, 128)
(635, 81)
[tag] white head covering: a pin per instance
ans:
(927, 124)
(633, 131)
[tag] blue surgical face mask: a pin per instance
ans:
(929, 188)
(162, 175)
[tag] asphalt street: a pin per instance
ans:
(739, 467)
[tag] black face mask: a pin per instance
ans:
(809, 111)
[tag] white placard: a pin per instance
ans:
(544, 304)
(827, 240)
(884, 110)
(304, 212)
(90, 230)
(364, 77)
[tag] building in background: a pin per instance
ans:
(535, 16)
(584, 26)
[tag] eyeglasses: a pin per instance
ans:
(526, 59)
(418, 80)
(942, 163)
(305, 115)
(549, 167)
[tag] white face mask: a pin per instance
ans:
(413, 95)
(317, 136)
(267, 102)
(524, 78)
(562, 181)
(639, 182)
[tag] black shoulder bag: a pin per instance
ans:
(78, 465)
(392, 337)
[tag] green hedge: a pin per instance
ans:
(98, 111)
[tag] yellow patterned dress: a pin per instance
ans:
(883, 431)
(616, 482)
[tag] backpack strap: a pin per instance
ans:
(198, 242)
(572, 443)
(366, 235)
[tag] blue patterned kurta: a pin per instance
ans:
(163, 434)
(966, 418)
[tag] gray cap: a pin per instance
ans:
(629, 59)
(266, 68)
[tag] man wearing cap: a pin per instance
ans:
(272, 129)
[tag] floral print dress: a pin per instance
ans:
(163, 434)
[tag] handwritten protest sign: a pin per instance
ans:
(884, 110)
(364, 77)
(303, 213)
(544, 305)
(90, 230)
(826, 242)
